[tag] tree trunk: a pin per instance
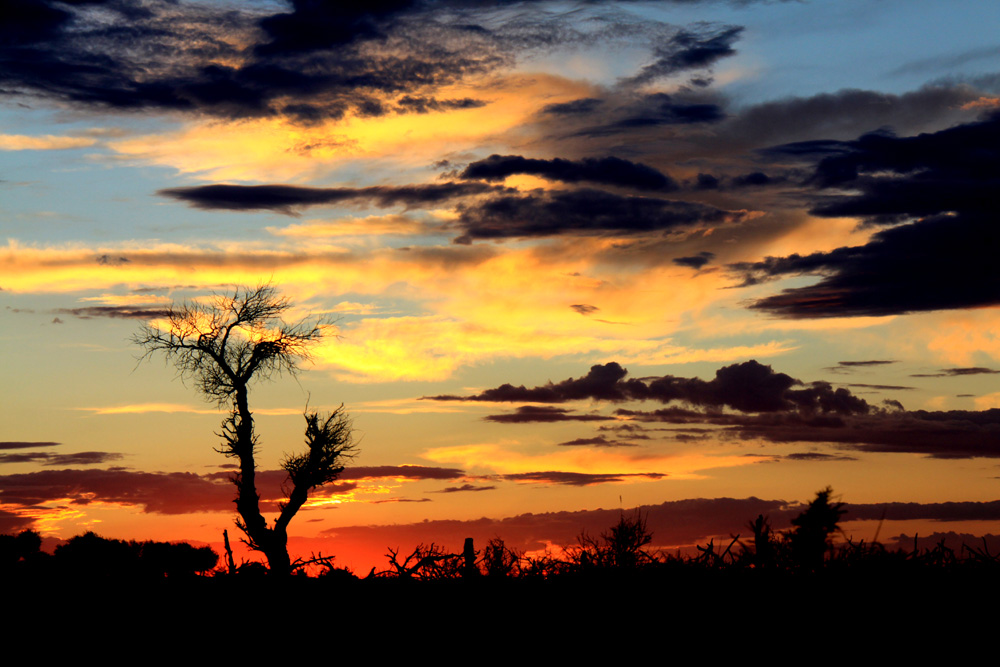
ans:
(273, 543)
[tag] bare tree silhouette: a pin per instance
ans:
(225, 344)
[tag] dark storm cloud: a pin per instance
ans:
(688, 49)
(315, 61)
(109, 260)
(411, 104)
(465, 487)
(312, 64)
(956, 372)
(823, 124)
(886, 387)
(287, 198)
(583, 106)
(603, 382)
(599, 441)
(945, 435)
(817, 456)
(939, 263)
(116, 312)
(754, 179)
(532, 413)
(941, 185)
(749, 387)
(585, 211)
(695, 261)
(864, 363)
(14, 444)
(651, 111)
(407, 472)
(772, 407)
(576, 478)
(606, 171)
(79, 458)
(951, 511)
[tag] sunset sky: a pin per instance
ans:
(705, 257)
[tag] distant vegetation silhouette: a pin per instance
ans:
(806, 551)
(223, 346)
(90, 557)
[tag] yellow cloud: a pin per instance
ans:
(128, 299)
(509, 458)
(988, 402)
(469, 304)
(372, 225)
(273, 149)
(48, 142)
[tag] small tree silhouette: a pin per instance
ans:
(223, 346)
(810, 538)
(621, 548)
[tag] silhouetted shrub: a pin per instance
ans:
(501, 561)
(810, 539)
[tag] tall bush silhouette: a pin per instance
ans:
(810, 537)
(223, 346)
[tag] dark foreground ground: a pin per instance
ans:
(790, 617)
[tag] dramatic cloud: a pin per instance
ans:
(8, 444)
(688, 50)
(584, 309)
(599, 441)
(881, 387)
(576, 478)
(651, 111)
(533, 413)
(404, 472)
(116, 312)
(155, 492)
(169, 492)
(956, 372)
(770, 406)
(748, 387)
(605, 171)
(696, 261)
(466, 487)
(79, 458)
(847, 366)
(937, 188)
(817, 456)
(287, 198)
(582, 211)
(11, 523)
(316, 62)
(944, 434)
